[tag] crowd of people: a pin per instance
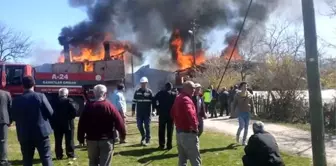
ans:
(102, 123)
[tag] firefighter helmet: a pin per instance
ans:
(144, 80)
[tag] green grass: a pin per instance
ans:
(216, 150)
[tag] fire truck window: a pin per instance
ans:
(14, 75)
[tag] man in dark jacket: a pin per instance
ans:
(143, 105)
(200, 108)
(5, 121)
(63, 124)
(32, 112)
(232, 94)
(164, 101)
(262, 149)
(224, 102)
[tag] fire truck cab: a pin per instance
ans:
(12, 74)
(11, 77)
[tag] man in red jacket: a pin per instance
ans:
(97, 122)
(186, 121)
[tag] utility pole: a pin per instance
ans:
(314, 85)
(194, 27)
(132, 71)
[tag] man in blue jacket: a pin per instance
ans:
(32, 113)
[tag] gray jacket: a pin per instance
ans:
(5, 106)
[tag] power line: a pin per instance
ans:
(236, 43)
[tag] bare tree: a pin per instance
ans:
(13, 45)
(332, 7)
(331, 13)
(282, 39)
(249, 49)
(213, 73)
(279, 39)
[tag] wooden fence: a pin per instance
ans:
(292, 111)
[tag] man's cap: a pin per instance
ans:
(28, 82)
(144, 80)
(198, 85)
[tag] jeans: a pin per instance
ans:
(244, 120)
(100, 152)
(145, 132)
(188, 148)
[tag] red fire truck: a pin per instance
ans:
(69, 75)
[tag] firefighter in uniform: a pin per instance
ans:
(143, 104)
(164, 101)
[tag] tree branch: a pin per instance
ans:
(13, 45)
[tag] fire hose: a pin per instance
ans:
(235, 44)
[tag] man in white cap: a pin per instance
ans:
(200, 107)
(143, 105)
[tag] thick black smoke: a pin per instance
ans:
(151, 20)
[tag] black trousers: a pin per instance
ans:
(206, 107)
(165, 123)
(212, 108)
(69, 143)
(224, 106)
(3, 144)
(43, 147)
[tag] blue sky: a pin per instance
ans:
(43, 20)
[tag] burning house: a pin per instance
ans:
(153, 26)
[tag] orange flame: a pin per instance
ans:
(184, 60)
(226, 53)
(89, 55)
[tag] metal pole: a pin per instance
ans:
(132, 71)
(194, 41)
(314, 85)
(194, 49)
(235, 44)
